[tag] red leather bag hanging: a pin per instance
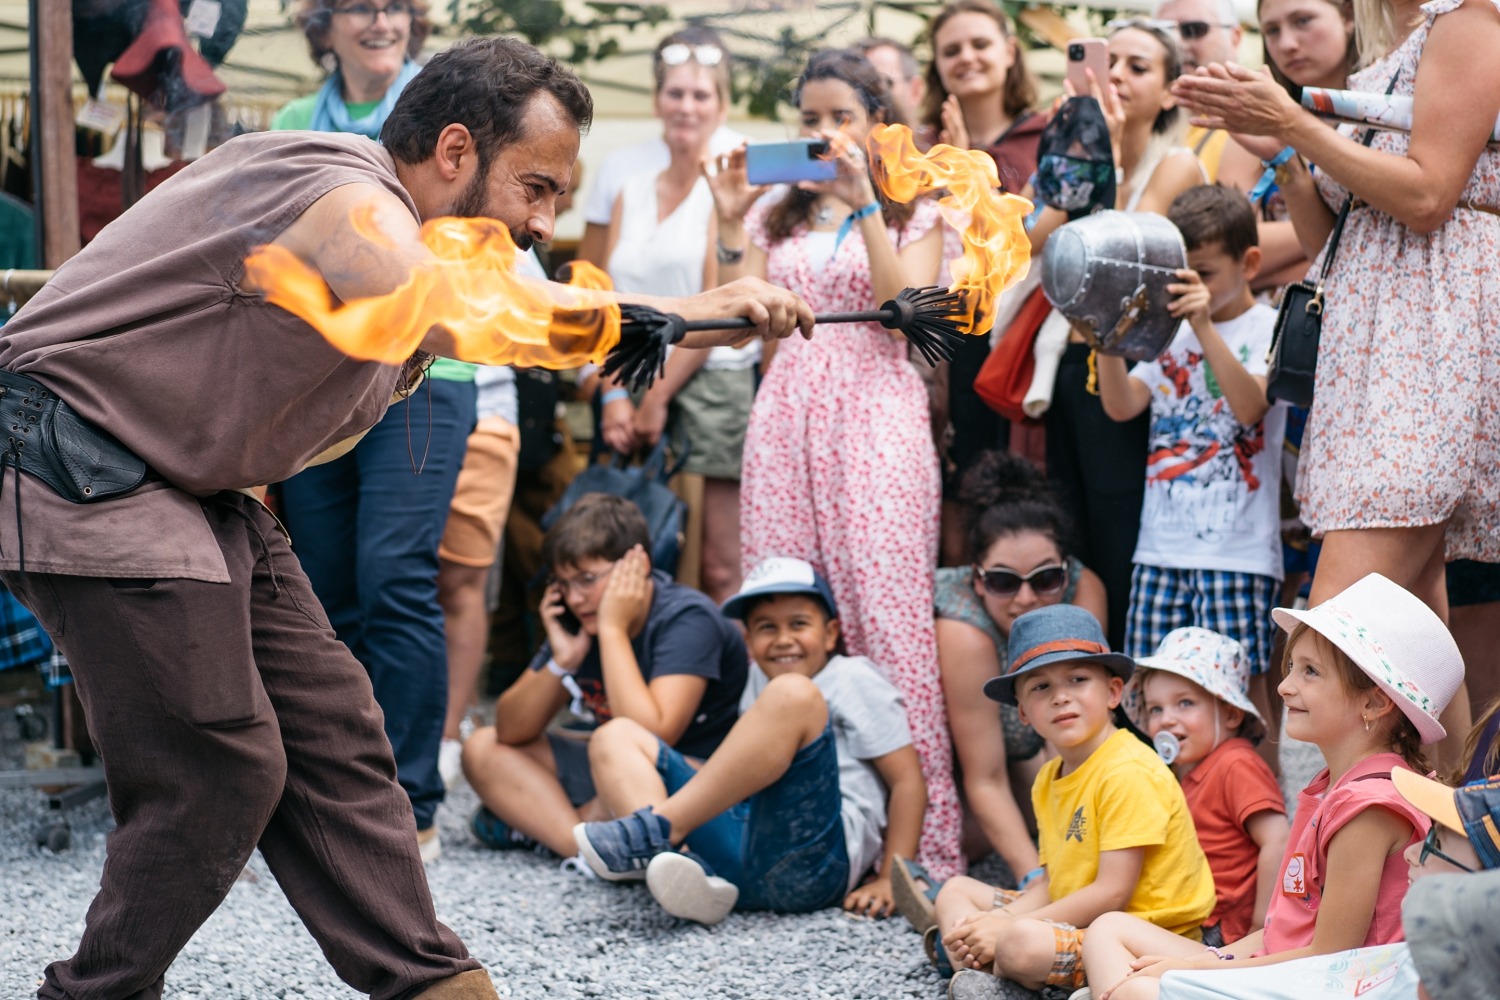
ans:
(1006, 374)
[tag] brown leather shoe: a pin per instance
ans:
(472, 985)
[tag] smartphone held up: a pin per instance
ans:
(789, 162)
(1084, 55)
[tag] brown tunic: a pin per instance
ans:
(148, 333)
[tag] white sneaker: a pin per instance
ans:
(576, 865)
(451, 761)
(685, 889)
(429, 844)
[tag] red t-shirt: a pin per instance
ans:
(1227, 787)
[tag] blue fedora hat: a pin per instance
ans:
(1055, 634)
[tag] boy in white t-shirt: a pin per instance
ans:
(790, 813)
(1209, 552)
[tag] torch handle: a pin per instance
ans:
(741, 323)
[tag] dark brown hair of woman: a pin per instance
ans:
(847, 66)
(1019, 91)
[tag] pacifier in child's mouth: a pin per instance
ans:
(1167, 746)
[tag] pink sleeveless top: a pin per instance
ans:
(1321, 813)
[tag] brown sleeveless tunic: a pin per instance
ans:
(148, 333)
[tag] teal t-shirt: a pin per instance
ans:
(298, 115)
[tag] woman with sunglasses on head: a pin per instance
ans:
(660, 232)
(1018, 561)
(1400, 469)
(839, 464)
(368, 525)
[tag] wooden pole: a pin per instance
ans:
(53, 163)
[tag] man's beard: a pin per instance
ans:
(471, 204)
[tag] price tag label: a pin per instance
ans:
(99, 117)
(203, 18)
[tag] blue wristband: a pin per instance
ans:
(1268, 178)
(848, 224)
(1031, 877)
(613, 395)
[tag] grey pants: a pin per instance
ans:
(229, 718)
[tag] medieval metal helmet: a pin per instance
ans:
(1108, 274)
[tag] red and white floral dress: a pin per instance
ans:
(1404, 429)
(840, 470)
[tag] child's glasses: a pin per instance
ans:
(1044, 580)
(1430, 848)
(704, 55)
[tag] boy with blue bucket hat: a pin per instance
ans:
(1114, 829)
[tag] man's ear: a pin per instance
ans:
(454, 145)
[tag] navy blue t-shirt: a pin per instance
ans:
(684, 634)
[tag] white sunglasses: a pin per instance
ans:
(679, 52)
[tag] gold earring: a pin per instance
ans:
(1366, 722)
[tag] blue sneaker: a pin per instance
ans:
(496, 834)
(620, 849)
(685, 886)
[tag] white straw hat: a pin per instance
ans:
(1397, 640)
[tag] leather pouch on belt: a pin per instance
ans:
(49, 440)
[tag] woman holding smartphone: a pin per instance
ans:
(839, 465)
(658, 243)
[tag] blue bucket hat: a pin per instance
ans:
(1061, 633)
(1472, 810)
(780, 575)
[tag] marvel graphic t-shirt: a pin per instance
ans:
(1213, 485)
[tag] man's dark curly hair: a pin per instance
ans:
(484, 84)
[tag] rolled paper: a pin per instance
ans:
(1388, 112)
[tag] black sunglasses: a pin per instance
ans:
(1044, 580)
(1193, 30)
(1430, 849)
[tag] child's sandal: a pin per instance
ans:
(914, 902)
(936, 953)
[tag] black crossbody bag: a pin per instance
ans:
(1293, 361)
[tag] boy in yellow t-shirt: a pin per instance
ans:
(1115, 832)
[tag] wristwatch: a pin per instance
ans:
(728, 256)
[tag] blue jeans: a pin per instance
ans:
(366, 529)
(784, 846)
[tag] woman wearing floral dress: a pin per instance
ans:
(839, 464)
(1401, 465)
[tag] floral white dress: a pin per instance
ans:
(840, 470)
(1405, 422)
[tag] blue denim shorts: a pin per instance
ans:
(784, 846)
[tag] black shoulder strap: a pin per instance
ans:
(1338, 225)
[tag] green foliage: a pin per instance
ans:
(548, 24)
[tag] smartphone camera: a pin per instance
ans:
(1075, 52)
(817, 149)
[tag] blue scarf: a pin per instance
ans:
(330, 114)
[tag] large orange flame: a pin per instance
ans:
(470, 290)
(997, 252)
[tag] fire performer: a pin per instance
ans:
(142, 391)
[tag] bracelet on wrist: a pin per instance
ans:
(729, 255)
(614, 396)
(1031, 877)
(555, 669)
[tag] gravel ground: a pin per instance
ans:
(540, 931)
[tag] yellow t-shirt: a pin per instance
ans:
(1209, 145)
(1124, 796)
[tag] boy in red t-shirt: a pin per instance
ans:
(1191, 698)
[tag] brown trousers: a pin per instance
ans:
(229, 718)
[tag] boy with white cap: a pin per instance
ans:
(1191, 698)
(790, 813)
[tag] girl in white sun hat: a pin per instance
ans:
(1191, 699)
(1367, 673)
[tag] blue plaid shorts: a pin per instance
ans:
(22, 641)
(1234, 604)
